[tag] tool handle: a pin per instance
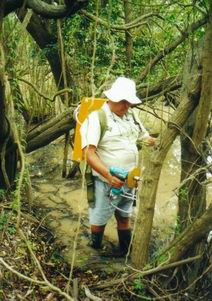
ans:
(121, 174)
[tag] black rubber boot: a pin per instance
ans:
(96, 240)
(124, 240)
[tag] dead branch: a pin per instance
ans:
(31, 280)
(167, 294)
(194, 175)
(149, 272)
(45, 280)
(20, 178)
(8, 267)
(89, 295)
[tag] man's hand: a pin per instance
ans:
(115, 182)
(150, 141)
(94, 161)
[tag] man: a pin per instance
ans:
(116, 148)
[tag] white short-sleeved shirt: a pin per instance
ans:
(118, 145)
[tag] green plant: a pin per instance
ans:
(56, 257)
(183, 193)
(6, 225)
(2, 194)
(3, 220)
(162, 258)
(138, 285)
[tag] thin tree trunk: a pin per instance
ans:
(192, 199)
(8, 156)
(205, 106)
(151, 175)
(196, 231)
(63, 65)
(149, 184)
(128, 36)
(192, 195)
(39, 31)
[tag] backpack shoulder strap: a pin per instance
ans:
(103, 122)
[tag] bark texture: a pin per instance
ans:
(196, 231)
(45, 9)
(192, 193)
(194, 88)
(8, 155)
(50, 130)
(192, 196)
(152, 172)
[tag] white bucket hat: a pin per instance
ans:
(123, 89)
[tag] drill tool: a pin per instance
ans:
(121, 174)
(130, 177)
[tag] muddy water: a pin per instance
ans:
(64, 204)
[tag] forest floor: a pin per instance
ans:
(56, 234)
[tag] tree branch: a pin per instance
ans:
(50, 130)
(49, 11)
(168, 49)
(190, 236)
(152, 271)
(62, 91)
(137, 22)
(35, 281)
(169, 84)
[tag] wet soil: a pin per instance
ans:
(65, 211)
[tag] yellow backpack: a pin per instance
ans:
(87, 106)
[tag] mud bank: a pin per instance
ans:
(64, 206)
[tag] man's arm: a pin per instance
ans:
(95, 163)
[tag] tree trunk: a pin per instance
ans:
(196, 231)
(192, 190)
(150, 180)
(8, 156)
(192, 197)
(152, 172)
(205, 106)
(167, 85)
(128, 36)
(50, 130)
(194, 237)
(192, 194)
(47, 40)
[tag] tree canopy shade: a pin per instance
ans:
(44, 9)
